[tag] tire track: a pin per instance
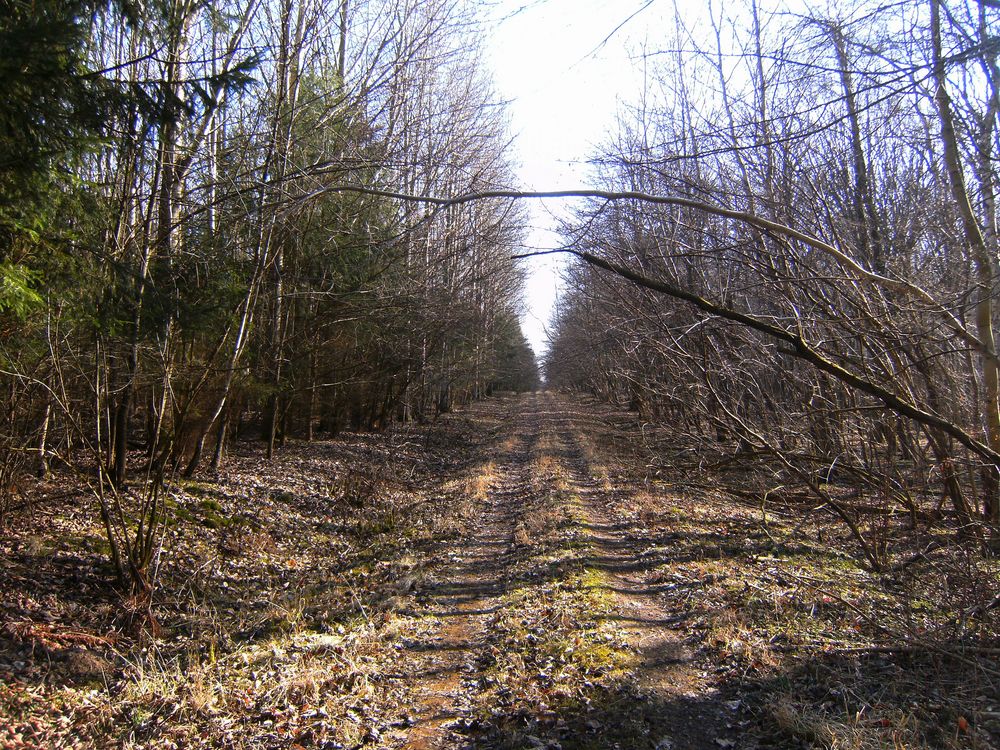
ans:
(692, 716)
(545, 535)
(441, 667)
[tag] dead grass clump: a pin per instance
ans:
(872, 728)
(325, 676)
(356, 489)
(244, 540)
(463, 498)
(548, 475)
(731, 637)
(483, 481)
(650, 508)
(596, 459)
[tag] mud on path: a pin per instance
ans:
(547, 630)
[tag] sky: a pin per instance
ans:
(564, 79)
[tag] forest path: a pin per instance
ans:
(533, 571)
(441, 666)
(547, 630)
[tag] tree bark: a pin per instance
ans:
(984, 265)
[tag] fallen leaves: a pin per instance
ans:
(292, 592)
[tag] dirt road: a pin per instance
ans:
(548, 631)
(531, 572)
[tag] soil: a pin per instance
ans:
(518, 575)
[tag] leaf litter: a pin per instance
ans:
(520, 574)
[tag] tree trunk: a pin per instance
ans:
(985, 266)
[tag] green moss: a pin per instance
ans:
(282, 496)
(196, 487)
(180, 515)
(175, 513)
(591, 578)
(206, 512)
(89, 542)
(593, 656)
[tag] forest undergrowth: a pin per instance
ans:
(272, 623)
(533, 571)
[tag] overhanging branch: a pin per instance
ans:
(800, 348)
(898, 286)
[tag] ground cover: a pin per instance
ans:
(532, 572)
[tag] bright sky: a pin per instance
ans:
(564, 77)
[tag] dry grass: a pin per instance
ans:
(479, 485)
(874, 729)
(295, 687)
(273, 610)
(734, 638)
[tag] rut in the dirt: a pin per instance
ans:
(689, 712)
(443, 666)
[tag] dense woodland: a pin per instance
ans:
(182, 264)
(277, 469)
(811, 280)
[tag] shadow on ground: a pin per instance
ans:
(823, 703)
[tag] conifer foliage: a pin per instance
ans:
(180, 265)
